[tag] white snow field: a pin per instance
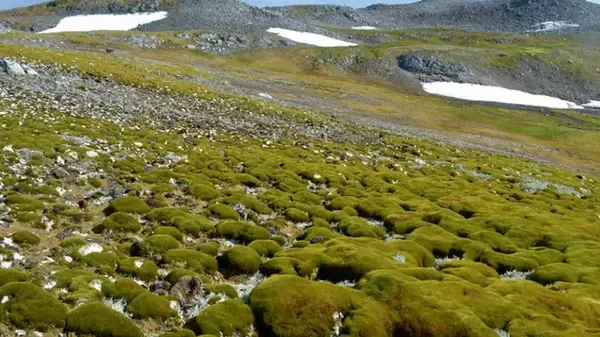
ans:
(88, 23)
(364, 28)
(310, 38)
(484, 93)
(548, 26)
(592, 105)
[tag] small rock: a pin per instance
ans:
(189, 289)
(59, 173)
(29, 70)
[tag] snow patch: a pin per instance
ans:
(90, 248)
(310, 38)
(592, 105)
(549, 26)
(364, 28)
(88, 23)
(484, 93)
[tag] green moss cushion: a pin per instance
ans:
(96, 319)
(27, 306)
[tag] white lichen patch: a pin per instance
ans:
(338, 323)
(244, 288)
(96, 284)
(117, 304)
(399, 257)
(516, 275)
(440, 261)
(90, 248)
(49, 284)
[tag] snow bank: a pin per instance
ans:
(87, 23)
(592, 105)
(364, 28)
(483, 93)
(549, 26)
(309, 38)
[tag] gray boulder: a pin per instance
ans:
(12, 68)
(429, 68)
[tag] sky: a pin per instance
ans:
(6, 4)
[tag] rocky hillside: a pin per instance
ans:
(232, 16)
(488, 15)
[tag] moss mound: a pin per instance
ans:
(204, 191)
(242, 231)
(161, 243)
(121, 222)
(143, 269)
(123, 287)
(195, 260)
(210, 248)
(149, 305)
(96, 319)
(223, 212)
(25, 238)
(30, 307)
(73, 242)
(266, 248)
(171, 231)
(12, 275)
(128, 205)
(282, 302)
(225, 318)
(239, 260)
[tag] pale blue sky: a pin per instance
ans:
(6, 4)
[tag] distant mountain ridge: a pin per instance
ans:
(219, 15)
(239, 17)
(484, 15)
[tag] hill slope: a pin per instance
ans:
(488, 15)
(228, 15)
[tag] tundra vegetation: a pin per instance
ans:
(129, 227)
